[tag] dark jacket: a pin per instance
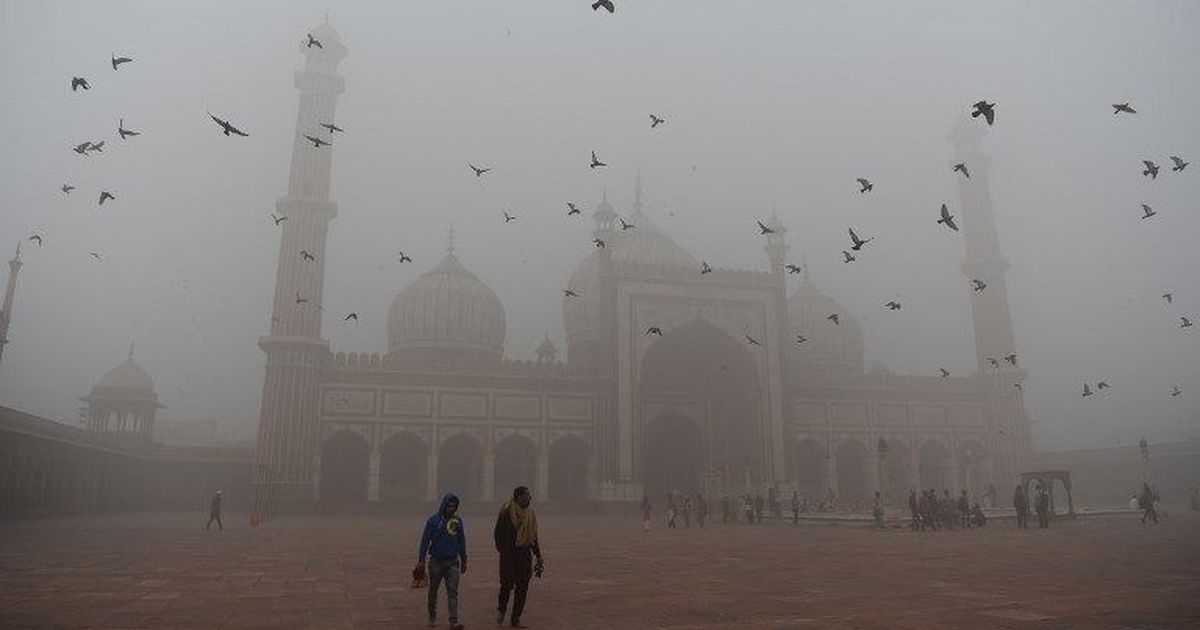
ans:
(214, 508)
(444, 538)
(505, 535)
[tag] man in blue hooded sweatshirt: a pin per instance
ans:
(445, 542)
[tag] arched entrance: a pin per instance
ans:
(402, 468)
(934, 466)
(673, 457)
(698, 366)
(516, 465)
(344, 468)
(460, 467)
(811, 468)
(852, 482)
(568, 469)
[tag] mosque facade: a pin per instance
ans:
(726, 400)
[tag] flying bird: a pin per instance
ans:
(300, 300)
(752, 341)
(478, 171)
(126, 132)
(332, 127)
(1151, 169)
(97, 257)
(79, 82)
(656, 121)
(858, 242)
(1011, 358)
(96, 146)
(405, 257)
(947, 218)
(1123, 107)
(834, 318)
(654, 330)
(82, 149)
(849, 257)
(569, 293)
(1179, 163)
(994, 362)
(571, 209)
(607, 4)
(987, 110)
(596, 162)
(1102, 385)
(866, 185)
(1148, 211)
(801, 338)
(962, 168)
(1176, 391)
(624, 224)
(598, 243)
(36, 238)
(978, 284)
(67, 188)
(104, 194)
(278, 220)
(1185, 322)
(312, 41)
(509, 217)
(893, 305)
(351, 316)
(1168, 297)
(116, 61)
(306, 256)
(945, 372)
(1087, 391)
(228, 128)
(793, 268)
(704, 268)
(317, 142)
(762, 229)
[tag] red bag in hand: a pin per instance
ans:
(419, 579)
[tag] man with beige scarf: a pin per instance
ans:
(517, 541)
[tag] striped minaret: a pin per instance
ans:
(14, 267)
(288, 419)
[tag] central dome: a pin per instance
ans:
(447, 308)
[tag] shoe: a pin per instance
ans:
(500, 618)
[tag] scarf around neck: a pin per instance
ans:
(525, 522)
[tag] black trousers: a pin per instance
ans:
(516, 569)
(217, 518)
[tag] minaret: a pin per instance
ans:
(776, 247)
(14, 267)
(288, 440)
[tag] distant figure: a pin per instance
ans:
(444, 540)
(964, 509)
(1043, 508)
(759, 504)
(671, 507)
(726, 511)
(991, 495)
(701, 509)
(1021, 505)
(978, 519)
(925, 510)
(877, 510)
(516, 538)
(1133, 501)
(687, 511)
(795, 507)
(748, 508)
(1146, 503)
(1195, 499)
(914, 506)
(214, 512)
(646, 513)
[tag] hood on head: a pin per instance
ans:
(447, 499)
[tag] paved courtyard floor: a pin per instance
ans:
(163, 571)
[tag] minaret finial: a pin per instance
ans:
(450, 240)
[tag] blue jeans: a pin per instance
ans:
(443, 569)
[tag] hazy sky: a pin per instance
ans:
(778, 104)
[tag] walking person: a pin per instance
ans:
(1146, 503)
(687, 511)
(1021, 505)
(877, 510)
(214, 512)
(701, 509)
(517, 541)
(1043, 508)
(670, 511)
(444, 540)
(646, 512)
(913, 509)
(795, 507)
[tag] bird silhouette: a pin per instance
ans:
(126, 132)
(1102, 385)
(607, 4)
(893, 305)
(571, 209)
(987, 110)
(656, 121)
(1151, 169)
(227, 128)
(278, 220)
(67, 188)
(306, 256)
(332, 127)
(1019, 386)
(834, 318)
(317, 142)
(82, 149)
(478, 171)
(947, 218)
(624, 225)
(116, 61)
(405, 258)
(598, 243)
(97, 257)
(1123, 107)
(654, 330)
(1179, 163)
(962, 168)
(569, 293)
(752, 341)
(96, 146)
(793, 268)
(300, 300)
(509, 217)
(1011, 358)
(1168, 297)
(704, 268)
(36, 238)
(1087, 391)
(979, 285)
(1147, 211)
(801, 338)
(79, 82)
(1185, 322)
(849, 257)
(312, 41)
(866, 185)
(596, 162)
(762, 229)
(1176, 391)
(351, 316)
(105, 195)
(858, 242)
(945, 372)
(994, 362)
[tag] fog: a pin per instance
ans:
(770, 106)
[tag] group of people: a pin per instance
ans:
(684, 506)
(1041, 505)
(1145, 501)
(931, 512)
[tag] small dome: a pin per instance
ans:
(828, 347)
(446, 308)
(127, 376)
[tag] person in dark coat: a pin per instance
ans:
(214, 512)
(516, 537)
(1021, 505)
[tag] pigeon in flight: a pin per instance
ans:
(607, 4)
(278, 220)
(351, 316)
(1176, 391)
(962, 168)
(979, 285)
(1151, 169)
(858, 242)
(654, 330)
(1087, 391)
(704, 268)
(947, 218)
(509, 217)
(1123, 107)
(300, 300)
(1102, 385)
(834, 318)
(82, 149)
(945, 372)
(762, 229)
(1179, 163)
(624, 224)
(987, 110)
(571, 209)
(478, 171)
(116, 61)
(656, 121)
(569, 293)
(1185, 322)
(126, 132)
(317, 142)
(79, 82)
(67, 188)
(1011, 358)
(228, 128)
(36, 238)
(801, 338)
(405, 257)
(866, 185)
(96, 146)
(1168, 297)
(596, 162)
(306, 256)
(1019, 386)
(598, 243)
(994, 362)
(332, 127)
(893, 305)
(1149, 212)
(312, 41)
(97, 257)
(104, 194)
(849, 257)
(752, 341)
(793, 268)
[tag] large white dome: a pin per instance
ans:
(447, 307)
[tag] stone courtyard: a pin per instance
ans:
(163, 571)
